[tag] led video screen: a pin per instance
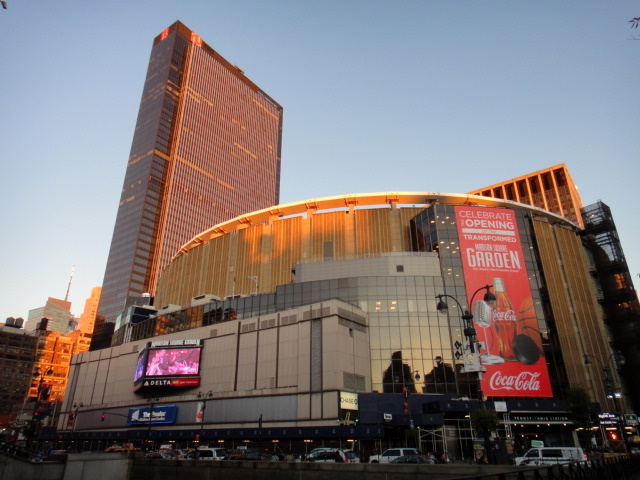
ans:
(140, 365)
(172, 362)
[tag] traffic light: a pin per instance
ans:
(613, 435)
(104, 415)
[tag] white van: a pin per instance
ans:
(206, 453)
(551, 455)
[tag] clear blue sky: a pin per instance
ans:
(443, 96)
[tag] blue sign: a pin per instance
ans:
(147, 415)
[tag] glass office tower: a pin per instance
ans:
(206, 149)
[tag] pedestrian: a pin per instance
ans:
(430, 458)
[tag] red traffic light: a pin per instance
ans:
(103, 417)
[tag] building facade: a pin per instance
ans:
(54, 316)
(206, 149)
(384, 260)
(551, 189)
(16, 367)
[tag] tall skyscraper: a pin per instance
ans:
(206, 149)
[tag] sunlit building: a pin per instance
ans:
(206, 149)
(321, 316)
(551, 189)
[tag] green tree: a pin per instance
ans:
(578, 405)
(485, 421)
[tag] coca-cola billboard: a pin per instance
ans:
(511, 345)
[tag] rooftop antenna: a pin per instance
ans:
(66, 297)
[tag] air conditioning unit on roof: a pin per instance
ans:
(170, 308)
(204, 299)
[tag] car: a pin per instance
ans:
(410, 459)
(551, 456)
(392, 454)
(206, 453)
(327, 455)
(164, 455)
(247, 454)
(352, 456)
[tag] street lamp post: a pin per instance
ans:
(76, 410)
(203, 397)
(473, 360)
(608, 384)
(152, 401)
(37, 413)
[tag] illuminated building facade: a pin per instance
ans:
(206, 149)
(87, 320)
(551, 189)
(240, 286)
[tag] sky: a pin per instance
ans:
(438, 96)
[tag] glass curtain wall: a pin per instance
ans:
(435, 230)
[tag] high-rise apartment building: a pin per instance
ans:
(551, 189)
(206, 149)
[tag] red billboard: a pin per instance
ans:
(511, 345)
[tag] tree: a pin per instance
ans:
(578, 405)
(485, 421)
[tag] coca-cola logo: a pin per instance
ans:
(505, 316)
(522, 381)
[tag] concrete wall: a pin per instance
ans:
(109, 466)
(12, 468)
(96, 466)
(146, 469)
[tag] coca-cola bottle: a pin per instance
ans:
(504, 320)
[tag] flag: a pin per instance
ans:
(200, 413)
(71, 420)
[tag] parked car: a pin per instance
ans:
(410, 459)
(247, 454)
(206, 453)
(392, 454)
(352, 456)
(327, 455)
(551, 455)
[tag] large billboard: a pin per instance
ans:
(172, 363)
(511, 350)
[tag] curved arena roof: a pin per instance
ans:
(357, 200)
